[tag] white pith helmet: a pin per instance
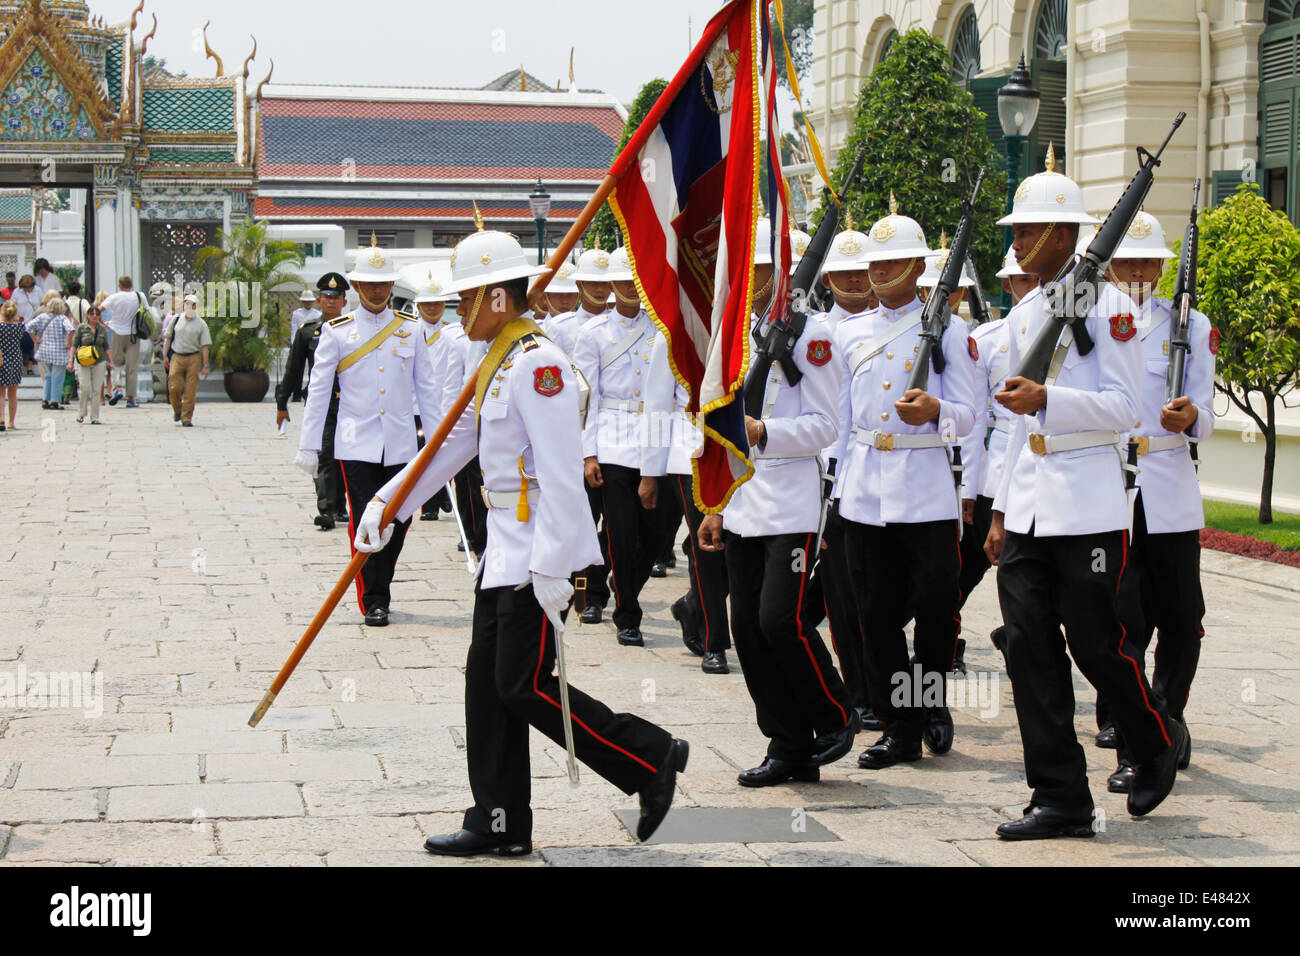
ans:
(894, 237)
(563, 280)
(428, 281)
(593, 266)
(1145, 239)
(620, 266)
(373, 265)
(1048, 196)
(935, 264)
(845, 253)
(1010, 267)
(799, 241)
(488, 257)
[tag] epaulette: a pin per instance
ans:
(341, 320)
(529, 342)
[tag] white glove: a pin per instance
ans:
(306, 462)
(553, 595)
(368, 529)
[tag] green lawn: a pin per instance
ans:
(1244, 519)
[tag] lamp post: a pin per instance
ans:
(539, 201)
(1017, 112)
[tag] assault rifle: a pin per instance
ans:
(777, 344)
(1078, 289)
(1184, 302)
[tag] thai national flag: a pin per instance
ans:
(687, 202)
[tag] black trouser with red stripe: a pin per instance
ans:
(469, 503)
(440, 499)
(906, 571)
(1161, 593)
(706, 570)
(671, 512)
(633, 536)
(1071, 580)
(841, 610)
(796, 690)
(330, 497)
(362, 479)
(508, 688)
(597, 591)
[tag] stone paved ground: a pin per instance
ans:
(181, 566)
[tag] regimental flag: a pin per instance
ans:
(687, 202)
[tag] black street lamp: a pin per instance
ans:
(539, 201)
(1018, 103)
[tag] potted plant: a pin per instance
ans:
(246, 336)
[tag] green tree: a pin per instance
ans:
(798, 35)
(603, 233)
(925, 141)
(245, 267)
(1248, 285)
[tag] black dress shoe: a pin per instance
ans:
(657, 796)
(377, 617)
(938, 732)
(773, 771)
(630, 637)
(341, 517)
(887, 751)
(828, 748)
(324, 522)
(1044, 823)
(670, 561)
(468, 843)
(869, 720)
(428, 515)
(1121, 781)
(460, 546)
(684, 615)
(715, 662)
(1153, 779)
(999, 638)
(590, 614)
(1108, 737)
(959, 662)
(657, 570)
(1185, 758)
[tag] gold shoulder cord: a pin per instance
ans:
(505, 341)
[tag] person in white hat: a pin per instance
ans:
(768, 534)
(613, 355)
(524, 425)
(561, 296)
(1161, 591)
(1015, 281)
(896, 494)
(1060, 531)
(306, 312)
(372, 351)
(934, 266)
(591, 277)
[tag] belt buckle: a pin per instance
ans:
(1143, 444)
(1038, 443)
(884, 441)
(487, 502)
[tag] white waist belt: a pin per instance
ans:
(623, 405)
(764, 456)
(1149, 443)
(1051, 444)
(1002, 425)
(507, 500)
(890, 441)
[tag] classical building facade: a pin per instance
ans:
(1112, 73)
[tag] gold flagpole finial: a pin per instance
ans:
(1049, 164)
(478, 216)
(893, 204)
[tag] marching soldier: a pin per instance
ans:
(1059, 533)
(372, 351)
(331, 503)
(430, 302)
(562, 294)
(306, 313)
(897, 497)
(613, 355)
(1162, 585)
(1015, 281)
(524, 424)
(769, 533)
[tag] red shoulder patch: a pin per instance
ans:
(548, 380)
(819, 352)
(974, 349)
(1122, 327)
(1214, 341)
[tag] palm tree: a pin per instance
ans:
(246, 265)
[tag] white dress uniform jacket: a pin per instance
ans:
(299, 318)
(878, 487)
(1082, 491)
(784, 494)
(459, 360)
(564, 329)
(671, 437)
(430, 355)
(375, 394)
(982, 465)
(522, 417)
(616, 419)
(1171, 494)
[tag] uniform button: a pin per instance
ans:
(1023, 329)
(889, 355)
(887, 386)
(638, 395)
(884, 416)
(381, 391)
(381, 368)
(907, 366)
(1004, 348)
(638, 371)
(381, 411)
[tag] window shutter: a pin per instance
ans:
(1049, 80)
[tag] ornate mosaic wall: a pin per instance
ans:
(36, 106)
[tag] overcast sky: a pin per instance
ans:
(620, 44)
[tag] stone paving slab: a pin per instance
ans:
(206, 577)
